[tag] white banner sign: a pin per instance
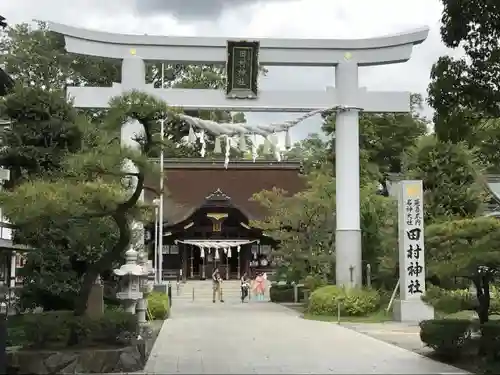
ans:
(411, 240)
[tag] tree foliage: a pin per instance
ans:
(91, 194)
(43, 131)
(465, 249)
(450, 177)
(456, 248)
(385, 136)
(305, 226)
(311, 151)
(464, 91)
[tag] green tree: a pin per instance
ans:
(384, 137)
(487, 144)
(92, 188)
(452, 188)
(305, 226)
(44, 130)
(464, 91)
(465, 249)
(312, 151)
(36, 57)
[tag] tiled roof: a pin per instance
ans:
(190, 181)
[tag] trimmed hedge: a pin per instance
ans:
(62, 329)
(447, 337)
(449, 301)
(454, 300)
(352, 301)
(313, 282)
(158, 306)
(453, 340)
(284, 293)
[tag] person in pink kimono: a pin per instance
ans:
(259, 286)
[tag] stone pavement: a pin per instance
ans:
(264, 338)
(404, 335)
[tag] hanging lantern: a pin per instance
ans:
(217, 254)
(202, 255)
(229, 252)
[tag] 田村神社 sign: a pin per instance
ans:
(411, 240)
(242, 69)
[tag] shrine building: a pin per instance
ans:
(208, 212)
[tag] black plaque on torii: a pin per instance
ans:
(242, 69)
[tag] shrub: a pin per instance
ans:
(284, 293)
(158, 305)
(313, 282)
(61, 329)
(352, 301)
(454, 300)
(15, 331)
(449, 301)
(447, 337)
(490, 340)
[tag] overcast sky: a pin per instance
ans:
(264, 18)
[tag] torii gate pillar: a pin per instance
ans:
(348, 257)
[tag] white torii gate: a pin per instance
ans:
(346, 55)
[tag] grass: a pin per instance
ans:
(382, 316)
(376, 317)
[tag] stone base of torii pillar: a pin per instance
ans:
(412, 311)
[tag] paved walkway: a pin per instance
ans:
(264, 338)
(406, 336)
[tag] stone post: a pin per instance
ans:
(142, 303)
(410, 307)
(95, 302)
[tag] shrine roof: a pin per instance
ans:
(189, 182)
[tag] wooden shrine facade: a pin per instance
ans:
(208, 211)
(217, 234)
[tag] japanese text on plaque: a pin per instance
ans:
(242, 68)
(414, 245)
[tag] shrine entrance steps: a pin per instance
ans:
(200, 291)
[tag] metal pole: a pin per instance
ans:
(160, 229)
(391, 301)
(156, 244)
(169, 293)
(369, 275)
(3, 341)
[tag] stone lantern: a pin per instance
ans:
(145, 286)
(130, 274)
